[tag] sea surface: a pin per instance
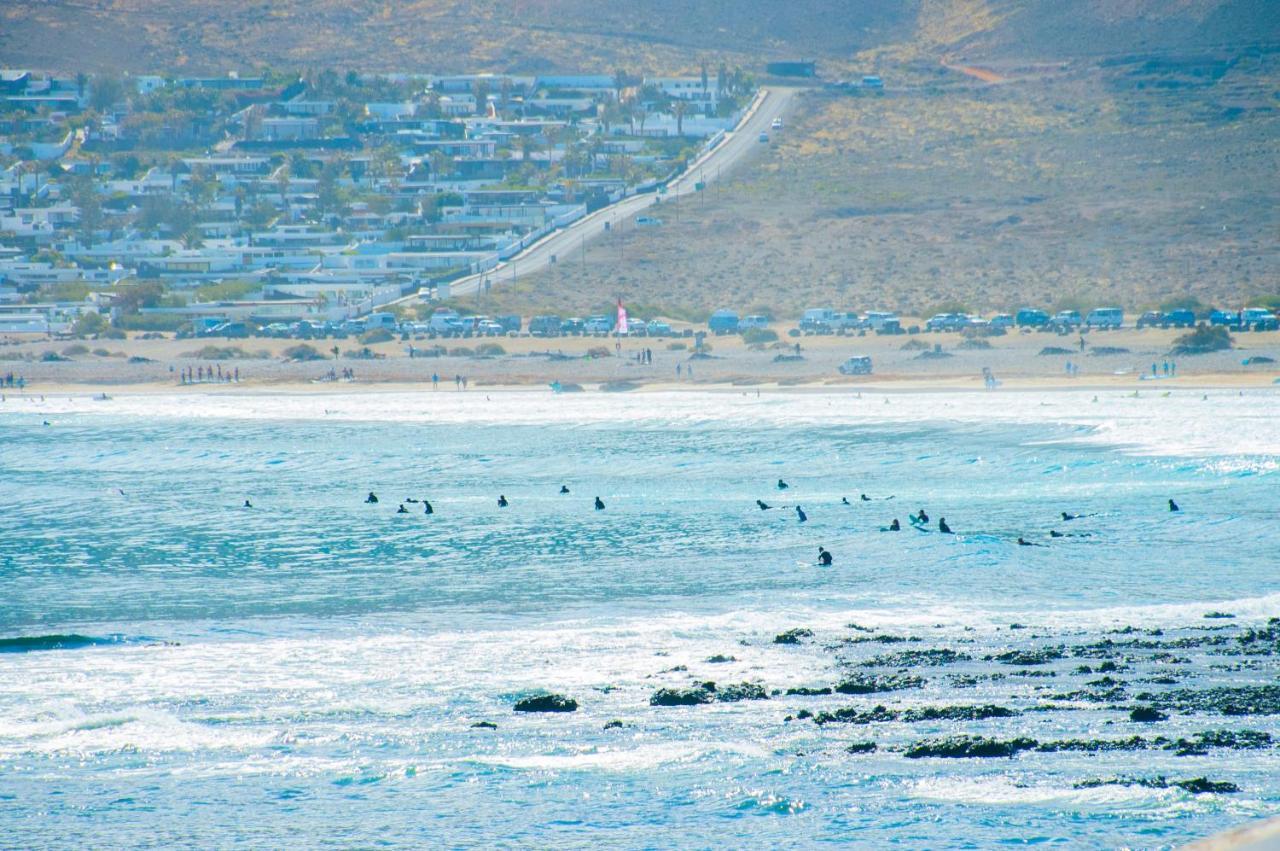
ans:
(178, 670)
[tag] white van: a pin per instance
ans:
(380, 320)
(445, 321)
(1105, 317)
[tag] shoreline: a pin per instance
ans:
(895, 385)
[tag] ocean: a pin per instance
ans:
(177, 669)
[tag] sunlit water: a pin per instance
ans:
(306, 672)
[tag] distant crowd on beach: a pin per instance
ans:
(11, 380)
(209, 375)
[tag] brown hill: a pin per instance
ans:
(655, 35)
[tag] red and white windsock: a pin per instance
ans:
(621, 327)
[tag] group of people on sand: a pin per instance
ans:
(11, 380)
(459, 381)
(208, 374)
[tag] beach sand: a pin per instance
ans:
(154, 365)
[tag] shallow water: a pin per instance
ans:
(307, 671)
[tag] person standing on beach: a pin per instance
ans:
(677, 370)
(435, 381)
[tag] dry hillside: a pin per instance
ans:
(653, 35)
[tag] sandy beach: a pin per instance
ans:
(1112, 359)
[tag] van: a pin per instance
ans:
(723, 322)
(876, 320)
(819, 320)
(755, 320)
(1105, 317)
(1258, 319)
(380, 320)
(599, 324)
(1029, 317)
(545, 326)
(446, 322)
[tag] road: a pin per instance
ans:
(708, 168)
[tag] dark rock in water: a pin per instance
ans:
(1234, 739)
(804, 713)
(793, 636)
(805, 691)
(912, 716)
(1196, 785)
(863, 684)
(484, 725)
(613, 725)
(861, 747)
(1218, 615)
(1201, 785)
(718, 659)
(741, 691)
(1108, 667)
(681, 696)
(1147, 714)
(966, 747)
(1041, 656)
(916, 658)
(1134, 743)
(547, 703)
(1225, 700)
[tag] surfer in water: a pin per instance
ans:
(1025, 543)
(801, 515)
(502, 501)
(895, 526)
(943, 527)
(924, 518)
(426, 507)
(844, 500)
(782, 485)
(402, 509)
(248, 504)
(599, 504)
(371, 498)
(1173, 506)
(763, 505)
(564, 489)
(824, 557)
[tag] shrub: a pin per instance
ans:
(114, 334)
(461, 352)
(676, 347)
(217, 353)
(377, 335)
(1206, 338)
(76, 349)
(101, 353)
(302, 352)
(51, 356)
(598, 352)
(973, 343)
(89, 324)
(914, 346)
(490, 350)
(754, 336)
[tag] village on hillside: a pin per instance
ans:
(150, 203)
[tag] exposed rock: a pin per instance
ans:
(924, 713)
(861, 747)
(1225, 700)
(1201, 785)
(1196, 785)
(864, 684)
(547, 703)
(1146, 714)
(805, 691)
(741, 691)
(484, 725)
(1040, 656)
(719, 659)
(914, 658)
(613, 725)
(681, 696)
(793, 636)
(964, 747)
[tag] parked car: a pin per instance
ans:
(648, 222)
(510, 323)
(1181, 318)
(278, 330)
(753, 321)
(232, 330)
(658, 329)
(445, 322)
(723, 322)
(1030, 317)
(818, 320)
(856, 365)
(545, 326)
(946, 322)
(1065, 320)
(599, 324)
(877, 319)
(1105, 317)
(573, 325)
(777, 124)
(1151, 319)
(1001, 320)
(1258, 319)
(1228, 318)
(764, 138)
(489, 328)
(380, 320)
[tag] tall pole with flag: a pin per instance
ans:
(621, 327)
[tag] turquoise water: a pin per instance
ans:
(306, 672)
